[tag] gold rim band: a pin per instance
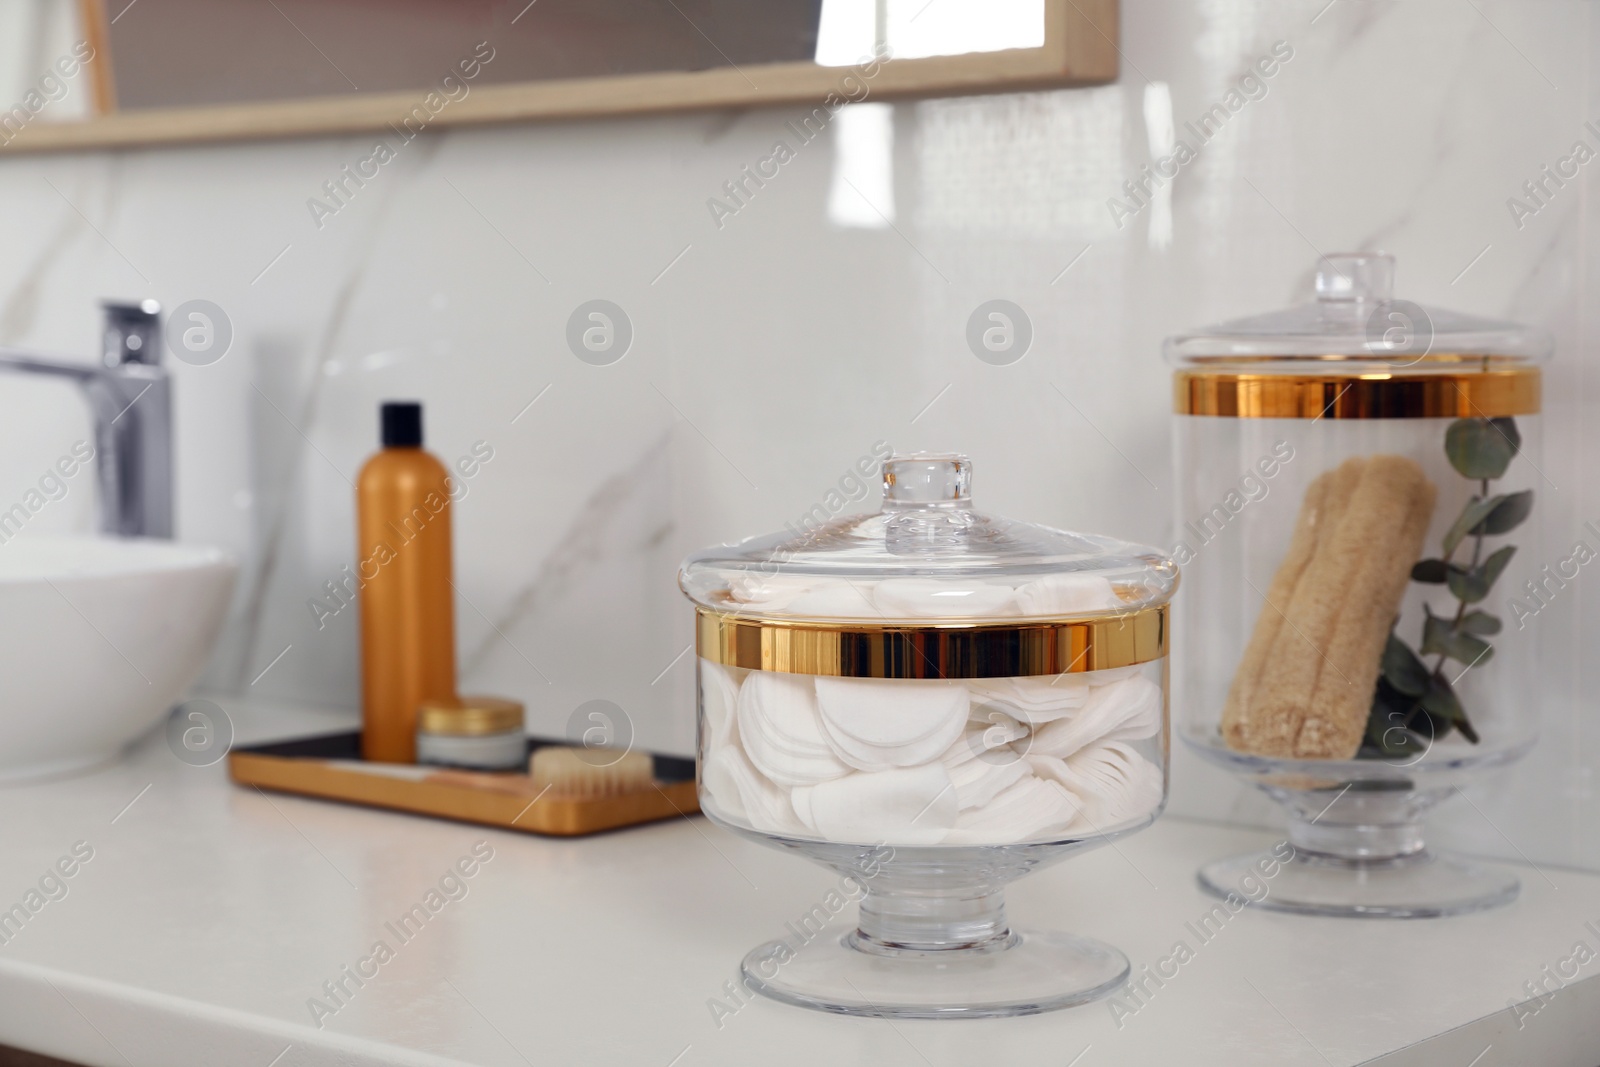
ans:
(1489, 394)
(946, 650)
(469, 716)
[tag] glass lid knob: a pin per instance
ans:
(1361, 278)
(927, 479)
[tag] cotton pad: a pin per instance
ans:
(719, 695)
(931, 598)
(1032, 700)
(1129, 710)
(891, 712)
(875, 724)
(770, 591)
(978, 781)
(780, 730)
(741, 792)
(837, 599)
(1116, 785)
(1027, 808)
(800, 799)
(989, 739)
(719, 780)
(904, 806)
(1112, 674)
(1067, 594)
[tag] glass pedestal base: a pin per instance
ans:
(1355, 843)
(1021, 974)
(1419, 885)
(927, 949)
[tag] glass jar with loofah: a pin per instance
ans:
(1353, 476)
(933, 702)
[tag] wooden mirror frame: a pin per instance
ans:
(1080, 49)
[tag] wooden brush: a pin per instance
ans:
(590, 772)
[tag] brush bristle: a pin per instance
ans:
(590, 772)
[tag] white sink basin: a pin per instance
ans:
(98, 639)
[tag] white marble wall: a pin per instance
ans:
(773, 351)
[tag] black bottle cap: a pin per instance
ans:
(402, 424)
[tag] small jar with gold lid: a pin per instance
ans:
(476, 732)
(1355, 478)
(932, 702)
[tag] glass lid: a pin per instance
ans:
(1356, 318)
(928, 556)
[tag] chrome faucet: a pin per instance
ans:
(130, 398)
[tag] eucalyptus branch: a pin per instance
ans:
(1407, 693)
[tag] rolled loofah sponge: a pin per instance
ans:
(1304, 685)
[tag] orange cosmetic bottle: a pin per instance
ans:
(408, 644)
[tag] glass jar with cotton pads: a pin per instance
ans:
(932, 702)
(1357, 490)
(478, 732)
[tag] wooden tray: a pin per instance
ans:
(330, 766)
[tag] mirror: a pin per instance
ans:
(86, 73)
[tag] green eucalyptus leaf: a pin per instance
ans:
(1507, 427)
(1481, 448)
(1480, 622)
(1389, 725)
(1435, 729)
(1441, 637)
(1441, 702)
(1472, 586)
(1507, 514)
(1472, 516)
(1432, 571)
(1444, 707)
(1494, 565)
(1435, 634)
(1402, 669)
(1398, 741)
(1468, 650)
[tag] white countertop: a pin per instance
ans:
(209, 915)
